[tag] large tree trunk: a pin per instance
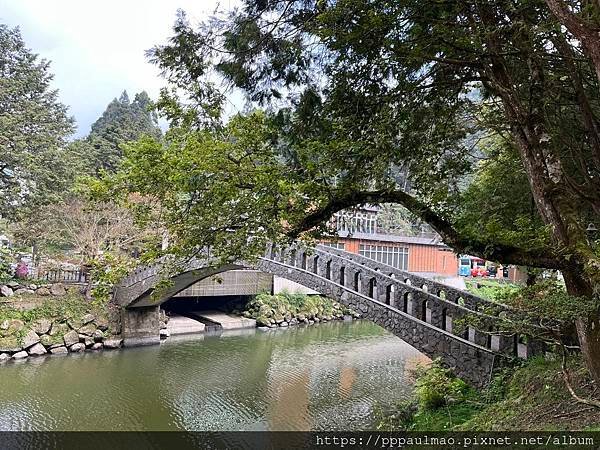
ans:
(588, 328)
(588, 333)
(587, 32)
(559, 213)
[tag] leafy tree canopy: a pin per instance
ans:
(358, 92)
(35, 164)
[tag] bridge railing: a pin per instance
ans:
(70, 276)
(436, 288)
(373, 281)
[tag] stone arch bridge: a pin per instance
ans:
(418, 310)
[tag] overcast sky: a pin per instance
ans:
(97, 48)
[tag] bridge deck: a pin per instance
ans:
(420, 311)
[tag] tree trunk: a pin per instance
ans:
(588, 333)
(588, 33)
(588, 328)
(531, 277)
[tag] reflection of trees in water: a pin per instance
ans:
(289, 399)
(283, 377)
(218, 383)
(346, 384)
(325, 376)
(115, 390)
(346, 375)
(412, 363)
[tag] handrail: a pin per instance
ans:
(395, 310)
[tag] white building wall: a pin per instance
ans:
(281, 284)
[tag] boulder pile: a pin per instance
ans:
(60, 336)
(284, 310)
(24, 335)
(16, 288)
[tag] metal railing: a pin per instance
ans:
(76, 276)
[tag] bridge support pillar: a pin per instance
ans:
(140, 326)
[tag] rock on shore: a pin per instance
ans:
(20, 339)
(285, 310)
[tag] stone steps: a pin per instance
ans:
(184, 325)
(227, 322)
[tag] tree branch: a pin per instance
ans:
(488, 250)
(567, 379)
(588, 34)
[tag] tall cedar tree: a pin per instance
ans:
(122, 121)
(35, 165)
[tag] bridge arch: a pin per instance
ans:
(468, 356)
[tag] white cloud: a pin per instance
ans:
(97, 48)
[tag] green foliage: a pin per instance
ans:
(6, 259)
(440, 402)
(414, 100)
(544, 311)
(71, 306)
(533, 396)
(436, 386)
(106, 271)
(491, 290)
(530, 395)
(549, 300)
(265, 307)
(35, 166)
(229, 191)
(399, 417)
(394, 218)
(497, 390)
(356, 97)
(123, 121)
(497, 204)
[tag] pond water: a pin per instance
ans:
(325, 377)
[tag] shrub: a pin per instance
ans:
(264, 306)
(400, 418)
(106, 271)
(5, 260)
(436, 386)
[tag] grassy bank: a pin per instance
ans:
(532, 396)
(489, 288)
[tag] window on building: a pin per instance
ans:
(392, 256)
(359, 222)
(338, 245)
